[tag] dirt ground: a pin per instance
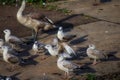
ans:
(106, 38)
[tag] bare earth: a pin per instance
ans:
(89, 30)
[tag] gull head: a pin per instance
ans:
(39, 44)
(48, 46)
(36, 42)
(7, 31)
(60, 28)
(8, 78)
(92, 46)
(55, 41)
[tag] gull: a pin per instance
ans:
(55, 48)
(13, 40)
(69, 50)
(9, 57)
(37, 46)
(59, 47)
(66, 65)
(32, 23)
(8, 78)
(95, 54)
(52, 50)
(55, 42)
(2, 43)
(5, 77)
(55, 51)
(63, 36)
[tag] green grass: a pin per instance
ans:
(55, 7)
(90, 76)
(64, 10)
(38, 3)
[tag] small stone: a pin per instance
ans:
(106, 31)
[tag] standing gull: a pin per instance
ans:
(2, 43)
(55, 42)
(95, 54)
(52, 50)
(32, 23)
(63, 36)
(69, 50)
(13, 40)
(66, 65)
(10, 58)
(37, 46)
(55, 48)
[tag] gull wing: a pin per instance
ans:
(69, 65)
(55, 41)
(14, 39)
(98, 53)
(69, 49)
(35, 15)
(39, 16)
(13, 60)
(65, 55)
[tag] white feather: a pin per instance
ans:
(65, 55)
(55, 42)
(93, 53)
(52, 50)
(16, 39)
(60, 33)
(65, 65)
(37, 45)
(8, 36)
(69, 49)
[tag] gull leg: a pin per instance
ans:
(65, 75)
(94, 62)
(68, 75)
(33, 33)
(31, 38)
(35, 38)
(12, 45)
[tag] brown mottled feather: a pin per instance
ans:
(35, 15)
(13, 60)
(98, 54)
